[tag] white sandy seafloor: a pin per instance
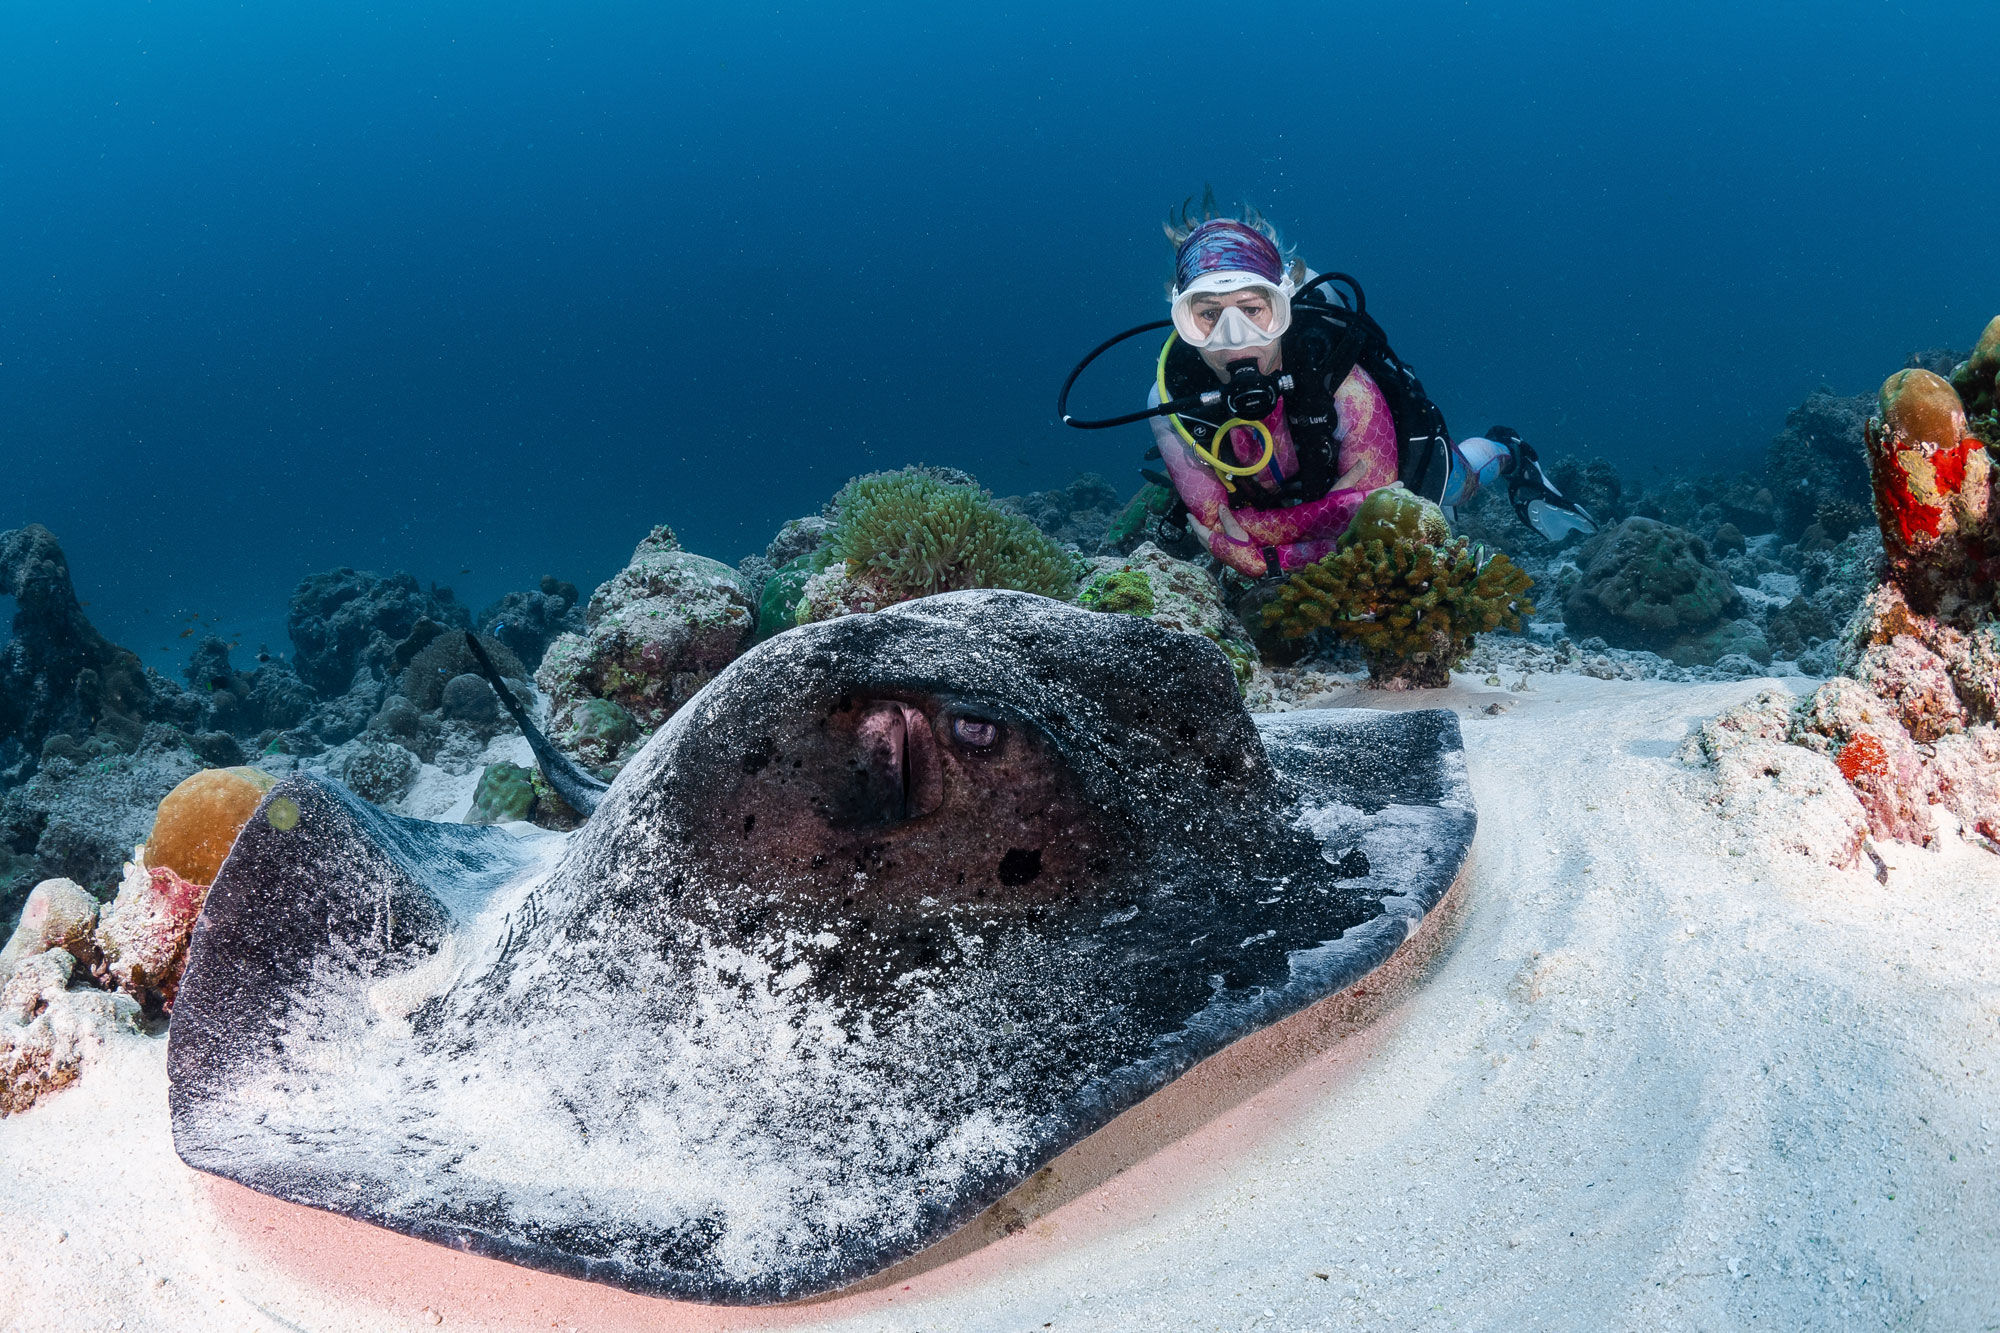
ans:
(1652, 1077)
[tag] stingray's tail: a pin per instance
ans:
(575, 786)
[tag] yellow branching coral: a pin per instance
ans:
(1411, 600)
(917, 534)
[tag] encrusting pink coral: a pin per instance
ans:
(144, 935)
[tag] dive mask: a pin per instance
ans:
(1234, 331)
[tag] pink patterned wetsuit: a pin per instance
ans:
(1237, 533)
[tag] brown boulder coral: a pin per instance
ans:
(197, 823)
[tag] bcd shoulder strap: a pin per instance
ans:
(1423, 442)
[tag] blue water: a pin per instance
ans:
(483, 291)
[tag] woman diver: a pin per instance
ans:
(1277, 408)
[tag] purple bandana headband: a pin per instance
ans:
(1225, 245)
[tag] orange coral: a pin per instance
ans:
(197, 823)
(1863, 757)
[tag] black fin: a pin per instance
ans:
(575, 786)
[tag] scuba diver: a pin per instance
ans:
(1276, 408)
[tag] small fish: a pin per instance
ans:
(187, 632)
(465, 571)
(83, 603)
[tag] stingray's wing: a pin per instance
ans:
(321, 895)
(658, 1121)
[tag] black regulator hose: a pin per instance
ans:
(1358, 304)
(1062, 398)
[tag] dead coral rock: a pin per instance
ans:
(1787, 797)
(1768, 717)
(659, 630)
(197, 823)
(60, 914)
(48, 1032)
(1774, 793)
(833, 593)
(1967, 772)
(144, 934)
(1971, 657)
(1913, 682)
(1847, 723)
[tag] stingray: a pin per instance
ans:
(897, 908)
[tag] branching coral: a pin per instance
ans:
(1411, 600)
(916, 534)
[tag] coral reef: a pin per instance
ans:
(1078, 514)
(346, 621)
(1401, 588)
(1595, 484)
(197, 822)
(85, 808)
(243, 704)
(1645, 584)
(528, 622)
(1819, 456)
(657, 631)
(912, 534)
(445, 658)
(58, 675)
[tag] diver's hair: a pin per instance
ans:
(1190, 215)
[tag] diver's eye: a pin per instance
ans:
(974, 733)
(1206, 318)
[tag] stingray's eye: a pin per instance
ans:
(975, 733)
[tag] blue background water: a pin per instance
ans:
(483, 291)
